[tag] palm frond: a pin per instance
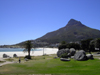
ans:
(28, 47)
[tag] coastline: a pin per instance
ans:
(34, 53)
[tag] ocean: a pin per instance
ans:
(16, 49)
(19, 51)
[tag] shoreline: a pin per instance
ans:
(32, 53)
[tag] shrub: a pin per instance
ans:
(65, 55)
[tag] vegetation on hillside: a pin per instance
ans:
(72, 32)
(87, 45)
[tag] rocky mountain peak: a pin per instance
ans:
(73, 22)
(74, 31)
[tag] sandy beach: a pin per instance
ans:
(34, 53)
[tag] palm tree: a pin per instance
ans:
(28, 46)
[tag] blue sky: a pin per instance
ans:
(22, 20)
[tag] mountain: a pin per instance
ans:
(72, 32)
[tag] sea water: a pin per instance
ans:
(19, 51)
(16, 49)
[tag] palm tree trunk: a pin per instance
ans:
(29, 57)
(29, 53)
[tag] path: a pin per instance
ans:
(1, 64)
(9, 62)
(96, 55)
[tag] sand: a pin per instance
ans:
(34, 53)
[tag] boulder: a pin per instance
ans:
(67, 50)
(89, 56)
(5, 56)
(72, 51)
(64, 59)
(80, 55)
(72, 57)
(26, 59)
(63, 53)
(56, 57)
(98, 53)
(15, 55)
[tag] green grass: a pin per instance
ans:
(49, 65)
(9, 59)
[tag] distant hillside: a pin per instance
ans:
(72, 32)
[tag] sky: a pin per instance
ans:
(22, 20)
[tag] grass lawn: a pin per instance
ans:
(49, 65)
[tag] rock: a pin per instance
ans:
(89, 56)
(64, 59)
(26, 59)
(98, 53)
(72, 57)
(56, 57)
(67, 50)
(5, 56)
(15, 55)
(63, 53)
(80, 55)
(69, 55)
(72, 51)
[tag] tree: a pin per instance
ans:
(63, 45)
(63, 42)
(97, 43)
(28, 46)
(92, 46)
(73, 45)
(85, 44)
(77, 46)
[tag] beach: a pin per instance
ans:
(33, 53)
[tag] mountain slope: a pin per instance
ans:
(73, 31)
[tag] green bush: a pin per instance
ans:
(65, 55)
